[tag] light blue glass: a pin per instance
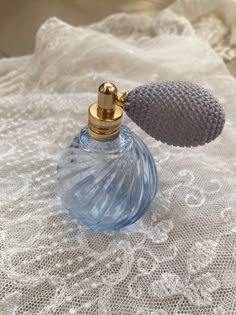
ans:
(107, 185)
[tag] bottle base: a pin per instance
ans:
(112, 227)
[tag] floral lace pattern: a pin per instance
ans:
(180, 257)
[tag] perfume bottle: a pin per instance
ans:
(107, 177)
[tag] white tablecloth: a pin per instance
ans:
(178, 259)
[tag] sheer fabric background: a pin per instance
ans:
(178, 259)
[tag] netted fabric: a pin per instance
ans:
(178, 259)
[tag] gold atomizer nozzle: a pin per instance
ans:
(105, 116)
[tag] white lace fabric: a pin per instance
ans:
(180, 258)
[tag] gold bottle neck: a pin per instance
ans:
(105, 116)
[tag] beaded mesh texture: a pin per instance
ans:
(180, 257)
(177, 113)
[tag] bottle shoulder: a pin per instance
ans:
(83, 149)
(119, 145)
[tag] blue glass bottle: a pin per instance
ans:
(107, 184)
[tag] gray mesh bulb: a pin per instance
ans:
(177, 113)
